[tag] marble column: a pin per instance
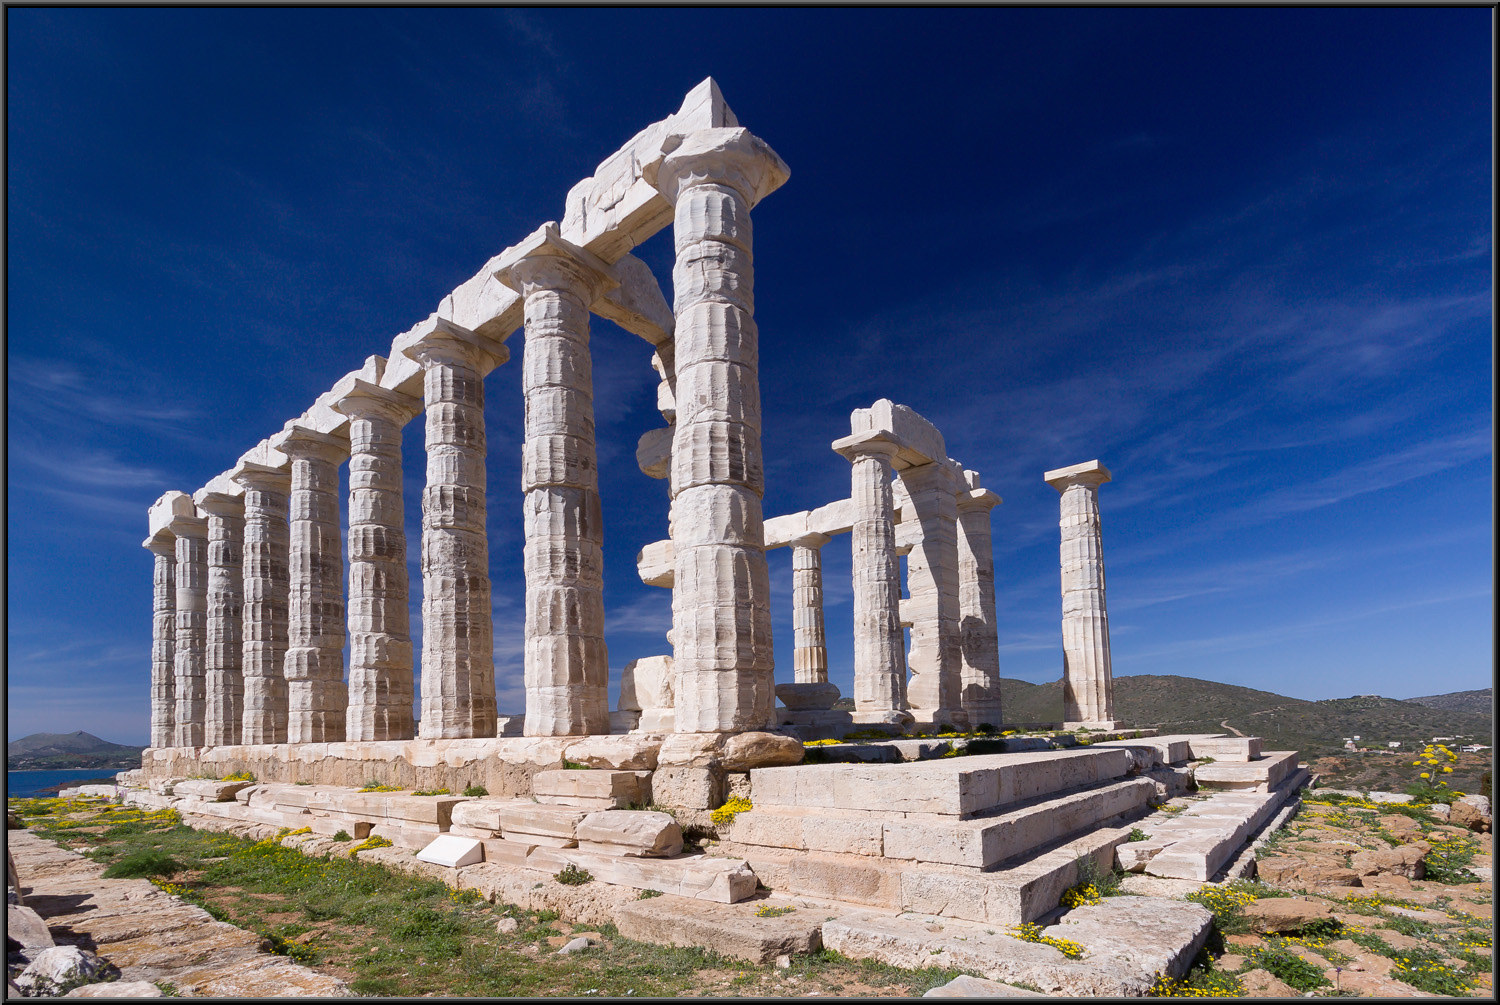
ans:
(381, 685)
(192, 629)
(266, 580)
(1088, 684)
(934, 692)
(721, 604)
(163, 545)
(314, 667)
(225, 692)
(458, 664)
(980, 674)
(810, 652)
(567, 663)
(879, 646)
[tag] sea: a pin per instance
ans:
(20, 784)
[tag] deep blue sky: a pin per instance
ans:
(1241, 256)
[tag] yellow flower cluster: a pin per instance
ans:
(1083, 895)
(767, 911)
(370, 842)
(1408, 969)
(1172, 987)
(381, 788)
(172, 888)
(733, 806)
(819, 743)
(1221, 899)
(1033, 933)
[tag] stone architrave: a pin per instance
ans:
(381, 687)
(192, 630)
(980, 677)
(879, 647)
(721, 605)
(934, 692)
(314, 667)
(567, 664)
(264, 627)
(458, 667)
(163, 545)
(1088, 683)
(810, 652)
(225, 691)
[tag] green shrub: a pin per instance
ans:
(571, 875)
(1290, 968)
(475, 791)
(1136, 834)
(648, 894)
(143, 865)
(342, 835)
(575, 766)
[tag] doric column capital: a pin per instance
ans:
(189, 526)
(162, 543)
(299, 442)
(812, 540)
(222, 504)
(970, 500)
(945, 476)
(872, 443)
(449, 344)
(544, 261)
(725, 156)
(261, 477)
(367, 400)
(1089, 473)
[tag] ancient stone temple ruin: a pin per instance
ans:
(252, 612)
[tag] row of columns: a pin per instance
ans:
(249, 617)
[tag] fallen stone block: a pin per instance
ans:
(27, 927)
(59, 965)
(451, 852)
(1405, 860)
(630, 832)
(1138, 935)
(117, 989)
(484, 814)
(728, 929)
(507, 852)
(209, 790)
(964, 986)
(534, 820)
(1284, 914)
(594, 789)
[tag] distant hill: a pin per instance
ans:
(69, 750)
(1187, 705)
(1482, 701)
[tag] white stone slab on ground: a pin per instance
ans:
(452, 851)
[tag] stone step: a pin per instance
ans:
(1260, 775)
(1226, 748)
(976, 843)
(729, 930)
(597, 789)
(958, 786)
(1196, 843)
(1160, 750)
(722, 880)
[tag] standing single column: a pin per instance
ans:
(192, 629)
(226, 688)
(567, 663)
(458, 663)
(879, 647)
(163, 545)
(721, 604)
(381, 688)
(266, 575)
(316, 695)
(976, 604)
(935, 691)
(1088, 683)
(810, 652)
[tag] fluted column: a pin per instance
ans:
(879, 647)
(567, 663)
(316, 694)
(266, 584)
(225, 692)
(458, 667)
(721, 610)
(192, 630)
(163, 545)
(810, 652)
(381, 686)
(980, 675)
(934, 692)
(1088, 683)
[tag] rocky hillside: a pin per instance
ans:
(1482, 702)
(69, 750)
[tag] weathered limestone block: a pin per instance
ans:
(567, 664)
(980, 642)
(314, 666)
(935, 690)
(1285, 914)
(266, 585)
(810, 655)
(879, 646)
(723, 880)
(626, 753)
(209, 789)
(646, 684)
(593, 789)
(534, 821)
(721, 617)
(381, 688)
(814, 697)
(163, 545)
(697, 788)
(192, 630)
(225, 687)
(1088, 683)
(458, 668)
(630, 832)
(734, 931)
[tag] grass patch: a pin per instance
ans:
(475, 791)
(648, 894)
(1424, 969)
(575, 766)
(1290, 968)
(144, 865)
(1136, 834)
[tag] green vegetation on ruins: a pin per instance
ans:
(394, 935)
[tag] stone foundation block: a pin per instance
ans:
(689, 787)
(329, 826)
(730, 930)
(630, 832)
(209, 790)
(595, 789)
(534, 821)
(722, 880)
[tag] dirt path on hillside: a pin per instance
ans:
(1225, 725)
